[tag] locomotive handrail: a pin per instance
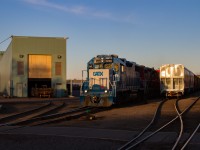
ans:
(110, 83)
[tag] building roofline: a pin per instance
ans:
(13, 36)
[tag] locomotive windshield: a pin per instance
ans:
(98, 66)
(103, 66)
(107, 66)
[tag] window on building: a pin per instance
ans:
(20, 68)
(58, 68)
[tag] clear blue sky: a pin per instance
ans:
(149, 32)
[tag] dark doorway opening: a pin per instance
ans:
(38, 83)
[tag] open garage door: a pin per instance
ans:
(39, 66)
(39, 72)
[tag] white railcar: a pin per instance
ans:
(176, 80)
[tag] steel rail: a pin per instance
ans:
(181, 122)
(71, 115)
(51, 111)
(60, 119)
(23, 113)
(192, 135)
(23, 121)
(46, 117)
(153, 133)
(146, 128)
(68, 116)
(58, 116)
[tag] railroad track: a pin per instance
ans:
(68, 115)
(8, 118)
(58, 117)
(136, 141)
(37, 119)
(52, 118)
(125, 146)
(183, 127)
(22, 117)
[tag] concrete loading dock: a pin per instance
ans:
(33, 62)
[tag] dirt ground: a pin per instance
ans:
(131, 117)
(125, 118)
(135, 117)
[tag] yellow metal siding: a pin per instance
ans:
(40, 66)
(58, 68)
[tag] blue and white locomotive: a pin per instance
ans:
(111, 79)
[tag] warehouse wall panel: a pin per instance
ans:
(6, 71)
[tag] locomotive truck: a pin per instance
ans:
(112, 80)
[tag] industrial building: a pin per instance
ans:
(32, 63)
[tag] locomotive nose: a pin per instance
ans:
(95, 99)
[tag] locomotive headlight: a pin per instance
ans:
(85, 91)
(106, 91)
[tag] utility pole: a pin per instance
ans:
(71, 88)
